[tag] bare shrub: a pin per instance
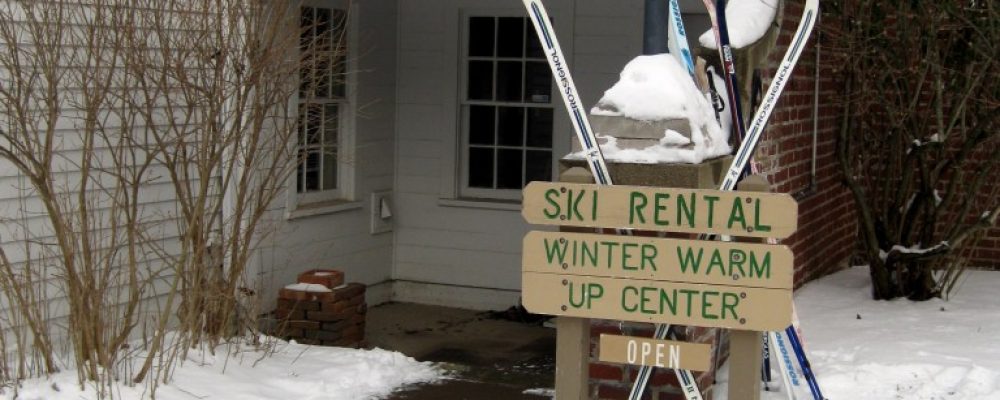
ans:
(153, 136)
(918, 144)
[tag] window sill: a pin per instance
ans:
(323, 208)
(487, 204)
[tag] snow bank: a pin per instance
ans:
(748, 21)
(866, 349)
(655, 88)
(293, 371)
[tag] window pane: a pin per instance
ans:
(306, 37)
(481, 37)
(322, 22)
(482, 122)
(511, 127)
(509, 169)
(539, 127)
(537, 82)
(481, 167)
(538, 166)
(300, 181)
(314, 120)
(329, 170)
(330, 124)
(340, 53)
(311, 168)
(510, 37)
(509, 81)
(480, 80)
(533, 45)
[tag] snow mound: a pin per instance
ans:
(292, 371)
(748, 21)
(860, 348)
(657, 87)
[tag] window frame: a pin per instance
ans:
(346, 135)
(463, 106)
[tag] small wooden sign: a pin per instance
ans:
(750, 214)
(655, 353)
(754, 309)
(676, 260)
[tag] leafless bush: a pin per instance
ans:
(919, 143)
(153, 136)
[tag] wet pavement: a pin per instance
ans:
(491, 355)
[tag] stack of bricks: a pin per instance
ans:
(614, 381)
(321, 310)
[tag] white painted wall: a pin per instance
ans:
(339, 236)
(452, 251)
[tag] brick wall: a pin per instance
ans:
(321, 310)
(827, 222)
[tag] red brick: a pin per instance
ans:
(330, 278)
(289, 332)
(283, 313)
(348, 292)
(616, 392)
(346, 343)
(336, 306)
(302, 324)
(359, 336)
(336, 326)
(301, 295)
(671, 395)
(352, 331)
(609, 372)
(298, 305)
(324, 335)
(324, 316)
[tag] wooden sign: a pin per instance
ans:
(676, 260)
(661, 209)
(655, 353)
(720, 306)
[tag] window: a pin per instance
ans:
(506, 108)
(322, 104)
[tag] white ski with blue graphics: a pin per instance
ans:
(571, 98)
(678, 43)
(588, 139)
(749, 143)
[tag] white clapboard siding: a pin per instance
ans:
(339, 236)
(441, 240)
(25, 229)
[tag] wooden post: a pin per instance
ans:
(746, 347)
(573, 334)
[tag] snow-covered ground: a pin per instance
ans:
(293, 371)
(865, 349)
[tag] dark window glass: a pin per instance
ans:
(481, 36)
(314, 120)
(539, 127)
(510, 37)
(481, 167)
(510, 128)
(311, 170)
(509, 81)
(480, 80)
(538, 166)
(509, 169)
(509, 121)
(537, 82)
(331, 116)
(533, 45)
(481, 125)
